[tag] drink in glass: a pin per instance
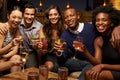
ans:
(62, 73)
(76, 44)
(45, 45)
(43, 72)
(33, 76)
(62, 44)
(33, 39)
(23, 54)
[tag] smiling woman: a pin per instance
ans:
(105, 19)
(10, 61)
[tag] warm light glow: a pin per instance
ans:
(40, 4)
(68, 5)
(116, 3)
(18, 0)
(104, 4)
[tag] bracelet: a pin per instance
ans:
(59, 54)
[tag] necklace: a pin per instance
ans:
(74, 32)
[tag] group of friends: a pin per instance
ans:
(97, 56)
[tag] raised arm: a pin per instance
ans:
(96, 59)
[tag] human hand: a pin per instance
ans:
(3, 29)
(36, 44)
(17, 41)
(56, 48)
(95, 71)
(79, 46)
(39, 44)
(116, 37)
(57, 45)
(17, 60)
(42, 45)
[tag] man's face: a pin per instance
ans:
(29, 15)
(71, 18)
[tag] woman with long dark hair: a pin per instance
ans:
(52, 30)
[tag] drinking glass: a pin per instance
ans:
(33, 76)
(43, 72)
(62, 44)
(76, 44)
(62, 73)
(23, 54)
(52, 79)
(45, 45)
(33, 39)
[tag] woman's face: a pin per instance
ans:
(15, 18)
(103, 23)
(53, 16)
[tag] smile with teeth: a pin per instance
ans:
(53, 20)
(70, 23)
(100, 28)
(15, 23)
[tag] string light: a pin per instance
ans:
(18, 0)
(67, 5)
(40, 4)
(104, 4)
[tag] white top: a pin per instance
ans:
(80, 27)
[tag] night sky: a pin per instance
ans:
(80, 5)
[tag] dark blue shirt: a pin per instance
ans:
(88, 34)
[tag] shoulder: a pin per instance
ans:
(38, 23)
(89, 28)
(88, 25)
(99, 41)
(66, 33)
(4, 25)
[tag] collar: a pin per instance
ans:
(80, 28)
(29, 28)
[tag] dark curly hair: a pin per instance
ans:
(114, 14)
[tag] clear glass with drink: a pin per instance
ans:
(43, 72)
(33, 39)
(33, 76)
(76, 44)
(52, 79)
(45, 45)
(24, 54)
(62, 44)
(62, 73)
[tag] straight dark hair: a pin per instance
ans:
(29, 5)
(14, 8)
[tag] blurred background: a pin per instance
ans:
(84, 7)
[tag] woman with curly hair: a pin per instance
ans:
(105, 19)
